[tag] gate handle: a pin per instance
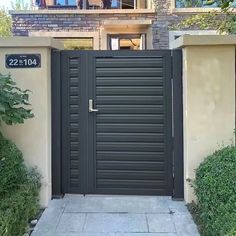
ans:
(91, 106)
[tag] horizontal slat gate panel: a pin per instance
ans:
(129, 156)
(131, 118)
(131, 125)
(130, 137)
(128, 63)
(129, 81)
(130, 90)
(129, 100)
(74, 134)
(132, 175)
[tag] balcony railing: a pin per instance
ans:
(95, 4)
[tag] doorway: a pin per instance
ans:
(127, 42)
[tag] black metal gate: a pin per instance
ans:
(112, 111)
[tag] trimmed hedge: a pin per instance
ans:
(19, 191)
(215, 188)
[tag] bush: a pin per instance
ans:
(13, 102)
(19, 191)
(12, 170)
(215, 188)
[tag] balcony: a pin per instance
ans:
(95, 4)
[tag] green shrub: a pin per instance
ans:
(12, 170)
(13, 102)
(19, 191)
(215, 188)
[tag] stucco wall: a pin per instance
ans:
(33, 137)
(209, 101)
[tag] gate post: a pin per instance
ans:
(208, 98)
(34, 136)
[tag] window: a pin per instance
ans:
(199, 3)
(118, 4)
(127, 42)
(77, 43)
(66, 2)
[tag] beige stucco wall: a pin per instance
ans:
(33, 137)
(209, 101)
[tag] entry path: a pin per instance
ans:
(101, 215)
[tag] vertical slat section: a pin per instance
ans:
(70, 113)
(133, 125)
(74, 133)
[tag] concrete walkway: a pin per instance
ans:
(96, 215)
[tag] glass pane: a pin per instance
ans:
(61, 2)
(114, 43)
(119, 4)
(130, 44)
(115, 4)
(72, 2)
(127, 4)
(94, 4)
(127, 42)
(78, 43)
(66, 2)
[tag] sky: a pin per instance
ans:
(7, 3)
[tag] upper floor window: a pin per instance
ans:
(66, 2)
(105, 4)
(199, 3)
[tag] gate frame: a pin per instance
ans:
(177, 116)
(177, 123)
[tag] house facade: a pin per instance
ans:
(107, 24)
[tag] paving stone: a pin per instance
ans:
(146, 234)
(139, 213)
(178, 207)
(122, 204)
(57, 203)
(49, 219)
(111, 223)
(185, 225)
(42, 233)
(161, 223)
(71, 222)
(85, 234)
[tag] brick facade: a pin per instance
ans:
(81, 22)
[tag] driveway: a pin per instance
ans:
(100, 215)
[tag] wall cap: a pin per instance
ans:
(204, 40)
(30, 42)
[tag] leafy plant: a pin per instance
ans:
(224, 21)
(13, 101)
(19, 191)
(215, 188)
(5, 24)
(12, 169)
(20, 5)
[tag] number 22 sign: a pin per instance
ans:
(23, 60)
